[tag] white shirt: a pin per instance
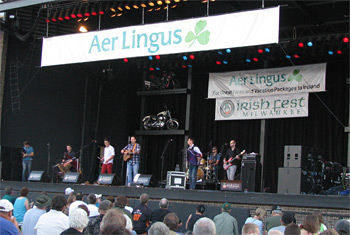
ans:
(75, 205)
(108, 152)
(53, 223)
(196, 149)
(93, 210)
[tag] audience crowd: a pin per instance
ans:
(69, 214)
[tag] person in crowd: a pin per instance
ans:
(108, 157)
(275, 219)
(53, 222)
(92, 205)
(112, 217)
(8, 223)
(68, 191)
(120, 204)
(323, 227)
(79, 201)
(115, 230)
(192, 218)
(21, 205)
(159, 214)
(224, 222)
(257, 219)
(111, 199)
(93, 226)
(330, 231)
(133, 150)
(172, 221)
(287, 219)
(27, 159)
(98, 199)
(275, 232)
(9, 194)
(194, 155)
(78, 220)
(71, 198)
(128, 207)
(232, 161)
(142, 215)
(310, 225)
(129, 225)
(204, 226)
(292, 229)
(250, 229)
(342, 226)
(32, 216)
(159, 228)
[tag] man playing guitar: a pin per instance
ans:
(232, 160)
(69, 161)
(194, 156)
(132, 156)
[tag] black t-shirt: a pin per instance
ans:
(70, 231)
(159, 214)
(230, 153)
(141, 218)
(193, 220)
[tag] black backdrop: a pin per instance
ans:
(52, 111)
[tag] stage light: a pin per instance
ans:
(260, 50)
(112, 8)
(345, 39)
(93, 11)
(100, 10)
(255, 59)
(288, 56)
(80, 12)
(296, 56)
(73, 13)
(48, 19)
(225, 62)
(167, 1)
(83, 29)
(176, 0)
(330, 52)
(127, 6)
(135, 5)
(173, 6)
(157, 57)
(86, 18)
(80, 19)
(66, 17)
(248, 60)
(151, 69)
(192, 57)
(204, 1)
(87, 13)
(60, 17)
(150, 57)
(300, 44)
(339, 52)
(218, 62)
(184, 57)
(267, 50)
(158, 8)
(309, 44)
(220, 52)
(151, 4)
(165, 7)
(143, 4)
(190, 66)
(120, 8)
(150, 9)
(126, 60)
(228, 51)
(159, 2)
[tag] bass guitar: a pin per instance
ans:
(229, 162)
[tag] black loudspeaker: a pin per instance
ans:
(142, 180)
(106, 179)
(38, 176)
(250, 175)
(72, 177)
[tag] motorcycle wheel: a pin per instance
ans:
(172, 124)
(147, 124)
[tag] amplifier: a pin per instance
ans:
(176, 179)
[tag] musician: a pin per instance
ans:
(194, 155)
(27, 159)
(108, 156)
(133, 163)
(214, 159)
(233, 160)
(69, 161)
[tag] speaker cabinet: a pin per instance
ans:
(38, 176)
(250, 176)
(106, 179)
(72, 177)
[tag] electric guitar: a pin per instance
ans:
(128, 154)
(229, 162)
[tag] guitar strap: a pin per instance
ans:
(133, 149)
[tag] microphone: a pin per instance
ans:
(171, 140)
(225, 143)
(93, 141)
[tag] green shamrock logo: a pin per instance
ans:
(202, 37)
(295, 76)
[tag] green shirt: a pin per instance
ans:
(273, 221)
(9, 197)
(226, 224)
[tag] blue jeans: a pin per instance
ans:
(192, 174)
(27, 166)
(131, 171)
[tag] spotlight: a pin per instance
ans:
(82, 29)
(87, 13)
(112, 8)
(157, 57)
(300, 44)
(66, 17)
(339, 52)
(159, 2)
(48, 19)
(220, 52)
(150, 57)
(120, 8)
(248, 60)
(224, 62)
(267, 50)
(167, 1)
(296, 56)
(86, 18)
(158, 8)
(143, 4)
(127, 6)
(309, 44)
(93, 11)
(228, 51)
(288, 56)
(176, 0)
(80, 12)
(260, 51)
(151, 4)
(192, 57)
(345, 39)
(184, 57)
(73, 13)
(204, 1)
(100, 10)
(190, 66)
(151, 69)
(126, 60)
(60, 17)
(218, 62)
(173, 6)
(330, 52)
(135, 5)
(255, 59)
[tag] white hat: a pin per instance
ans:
(98, 195)
(68, 191)
(5, 205)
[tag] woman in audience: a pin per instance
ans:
(78, 220)
(192, 218)
(21, 205)
(71, 198)
(310, 225)
(257, 219)
(330, 231)
(323, 227)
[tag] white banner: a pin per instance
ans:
(278, 106)
(267, 82)
(200, 34)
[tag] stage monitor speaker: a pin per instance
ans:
(296, 155)
(231, 185)
(176, 179)
(250, 176)
(106, 179)
(142, 180)
(38, 176)
(71, 177)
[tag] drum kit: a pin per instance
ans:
(205, 172)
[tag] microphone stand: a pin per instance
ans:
(162, 157)
(48, 157)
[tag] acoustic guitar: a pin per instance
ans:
(229, 162)
(128, 154)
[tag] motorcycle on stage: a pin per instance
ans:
(163, 119)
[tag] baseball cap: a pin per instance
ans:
(5, 205)
(226, 206)
(276, 208)
(98, 195)
(342, 226)
(42, 201)
(68, 191)
(288, 217)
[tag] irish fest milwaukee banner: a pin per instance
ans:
(199, 34)
(267, 82)
(277, 106)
